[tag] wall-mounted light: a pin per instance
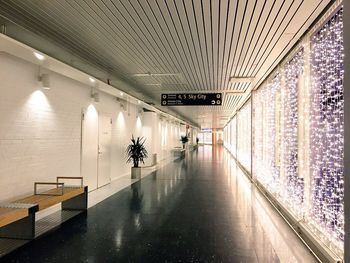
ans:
(139, 113)
(95, 95)
(44, 81)
(39, 56)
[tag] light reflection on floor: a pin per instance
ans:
(198, 209)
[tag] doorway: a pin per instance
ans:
(104, 150)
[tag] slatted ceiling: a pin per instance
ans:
(240, 11)
(207, 41)
(282, 25)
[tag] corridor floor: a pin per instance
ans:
(199, 209)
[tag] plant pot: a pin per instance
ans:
(135, 172)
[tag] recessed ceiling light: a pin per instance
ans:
(39, 56)
(138, 101)
(92, 79)
(121, 93)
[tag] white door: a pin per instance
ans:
(104, 150)
(89, 147)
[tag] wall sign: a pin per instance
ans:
(191, 99)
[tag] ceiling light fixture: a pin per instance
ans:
(39, 56)
(121, 93)
(92, 79)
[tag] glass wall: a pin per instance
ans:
(297, 129)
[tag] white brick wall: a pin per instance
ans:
(40, 131)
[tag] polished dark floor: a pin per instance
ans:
(199, 209)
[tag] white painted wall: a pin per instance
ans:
(41, 130)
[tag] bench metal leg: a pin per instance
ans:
(21, 229)
(79, 202)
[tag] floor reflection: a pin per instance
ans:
(198, 209)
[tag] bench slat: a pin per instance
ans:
(45, 201)
(10, 215)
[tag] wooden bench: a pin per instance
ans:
(10, 215)
(17, 219)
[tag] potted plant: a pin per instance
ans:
(184, 140)
(136, 153)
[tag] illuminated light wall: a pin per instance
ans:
(293, 182)
(233, 136)
(230, 136)
(327, 128)
(298, 133)
(244, 146)
(267, 130)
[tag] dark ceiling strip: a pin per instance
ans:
(256, 69)
(218, 45)
(252, 37)
(193, 43)
(231, 41)
(172, 37)
(153, 56)
(258, 47)
(257, 39)
(202, 49)
(206, 44)
(223, 52)
(124, 32)
(179, 39)
(244, 41)
(34, 26)
(156, 41)
(125, 52)
(212, 84)
(161, 28)
(194, 71)
(282, 57)
(253, 70)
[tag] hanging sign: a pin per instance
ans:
(191, 99)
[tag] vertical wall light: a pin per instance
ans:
(327, 133)
(294, 184)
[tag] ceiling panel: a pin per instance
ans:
(198, 45)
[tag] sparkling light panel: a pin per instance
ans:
(327, 132)
(234, 136)
(244, 146)
(230, 136)
(298, 134)
(293, 182)
(266, 122)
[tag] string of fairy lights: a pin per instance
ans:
(327, 133)
(294, 182)
(298, 133)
